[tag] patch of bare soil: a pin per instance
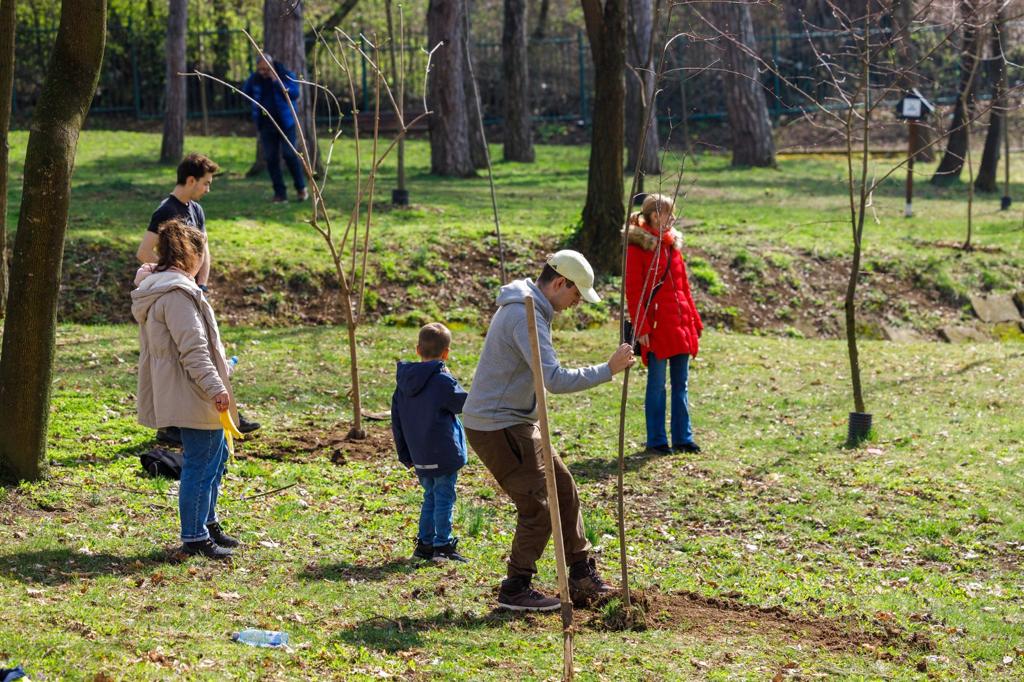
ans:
(713, 618)
(314, 443)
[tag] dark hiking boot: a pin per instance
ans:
(517, 595)
(218, 535)
(246, 426)
(659, 449)
(207, 548)
(424, 550)
(449, 552)
(302, 195)
(686, 447)
(585, 585)
(170, 435)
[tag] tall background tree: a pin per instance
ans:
(640, 82)
(952, 162)
(284, 38)
(175, 102)
(26, 361)
(604, 210)
(449, 124)
(989, 166)
(7, 22)
(477, 138)
(518, 143)
(749, 123)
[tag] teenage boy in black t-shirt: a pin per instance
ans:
(195, 175)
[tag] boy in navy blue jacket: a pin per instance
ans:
(430, 438)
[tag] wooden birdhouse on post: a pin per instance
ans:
(912, 108)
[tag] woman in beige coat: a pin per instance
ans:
(183, 379)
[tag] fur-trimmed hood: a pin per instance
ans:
(639, 235)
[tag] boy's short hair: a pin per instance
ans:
(434, 340)
(195, 166)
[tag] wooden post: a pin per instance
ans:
(1005, 202)
(908, 210)
(623, 565)
(549, 476)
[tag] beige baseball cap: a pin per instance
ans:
(575, 268)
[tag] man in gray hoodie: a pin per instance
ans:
(500, 418)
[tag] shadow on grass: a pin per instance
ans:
(64, 565)
(397, 634)
(346, 571)
(600, 468)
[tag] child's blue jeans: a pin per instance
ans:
(438, 509)
(206, 454)
(654, 401)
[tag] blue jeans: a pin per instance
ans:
(206, 454)
(654, 401)
(438, 508)
(273, 150)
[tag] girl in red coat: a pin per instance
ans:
(665, 320)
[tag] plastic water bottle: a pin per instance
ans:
(233, 361)
(265, 638)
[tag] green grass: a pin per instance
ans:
(919, 530)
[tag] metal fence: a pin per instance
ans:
(133, 74)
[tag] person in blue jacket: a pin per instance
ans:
(430, 438)
(272, 87)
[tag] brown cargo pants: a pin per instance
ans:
(514, 456)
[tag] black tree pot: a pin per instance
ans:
(400, 197)
(858, 428)
(1005, 203)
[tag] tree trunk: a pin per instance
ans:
(7, 23)
(540, 30)
(640, 80)
(952, 162)
(474, 109)
(752, 143)
(222, 41)
(26, 363)
(903, 19)
(284, 39)
(604, 210)
(449, 124)
(515, 71)
(176, 104)
(989, 167)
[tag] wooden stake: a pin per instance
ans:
(549, 476)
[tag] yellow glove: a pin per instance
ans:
(230, 431)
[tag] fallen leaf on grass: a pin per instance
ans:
(228, 596)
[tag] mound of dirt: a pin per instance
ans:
(715, 617)
(314, 443)
(779, 291)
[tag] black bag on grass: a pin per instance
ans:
(161, 462)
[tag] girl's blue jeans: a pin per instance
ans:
(654, 401)
(206, 454)
(438, 508)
